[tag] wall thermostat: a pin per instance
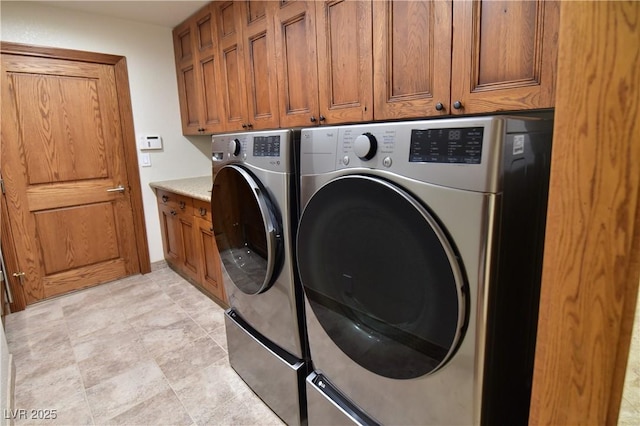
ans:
(147, 142)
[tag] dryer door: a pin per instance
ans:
(381, 277)
(247, 228)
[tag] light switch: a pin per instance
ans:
(145, 159)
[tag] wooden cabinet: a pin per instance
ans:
(188, 242)
(297, 71)
(504, 55)
(210, 277)
(260, 64)
(439, 58)
(197, 67)
(345, 61)
(304, 63)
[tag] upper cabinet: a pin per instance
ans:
(435, 58)
(345, 61)
(411, 58)
(197, 68)
(504, 55)
(246, 65)
(297, 70)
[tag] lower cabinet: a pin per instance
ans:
(188, 242)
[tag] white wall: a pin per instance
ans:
(152, 81)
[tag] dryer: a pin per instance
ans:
(254, 209)
(419, 251)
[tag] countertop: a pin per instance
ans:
(195, 187)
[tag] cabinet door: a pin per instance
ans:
(260, 64)
(211, 114)
(297, 71)
(504, 55)
(411, 58)
(345, 61)
(171, 239)
(191, 260)
(187, 81)
(210, 272)
(232, 65)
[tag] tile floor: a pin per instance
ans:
(630, 406)
(151, 350)
(147, 350)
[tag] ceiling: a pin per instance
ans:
(163, 13)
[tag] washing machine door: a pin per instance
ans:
(381, 277)
(247, 228)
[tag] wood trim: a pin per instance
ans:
(126, 118)
(131, 161)
(11, 259)
(592, 251)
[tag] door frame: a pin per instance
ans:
(119, 64)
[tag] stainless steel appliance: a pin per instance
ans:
(254, 207)
(419, 250)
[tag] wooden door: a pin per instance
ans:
(411, 58)
(295, 29)
(260, 64)
(233, 85)
(67, 186)
(504, 55)
(345, 61)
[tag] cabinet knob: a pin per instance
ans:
(201, 129)
(457, 105)
(165, 198)
(250, 126)
(322, 118)
(439, 106)
(244, 126)
(182, 205)
(173, 213)
(203, 211)
(312, 119)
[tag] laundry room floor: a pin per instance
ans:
(148, 349)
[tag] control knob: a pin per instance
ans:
(234, 147)
(365, 146)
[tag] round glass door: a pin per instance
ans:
(381, 277)
(247, 229)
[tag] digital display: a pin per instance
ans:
(454, 146)
(266, 146)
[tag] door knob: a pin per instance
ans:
(118, 188)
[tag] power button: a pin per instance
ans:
(386, 162)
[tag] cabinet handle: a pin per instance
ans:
(182, 205)
(312, 119)
(173, 213)
(322, 118)
(439, 106)
(457, 105)
(203, 211)
(165, 198)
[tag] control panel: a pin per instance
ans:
(266, 150)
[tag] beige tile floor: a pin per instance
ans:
(147, 350)
(151, 350)
(630, 406)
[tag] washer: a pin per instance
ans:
(419, 250)
(254, 206)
